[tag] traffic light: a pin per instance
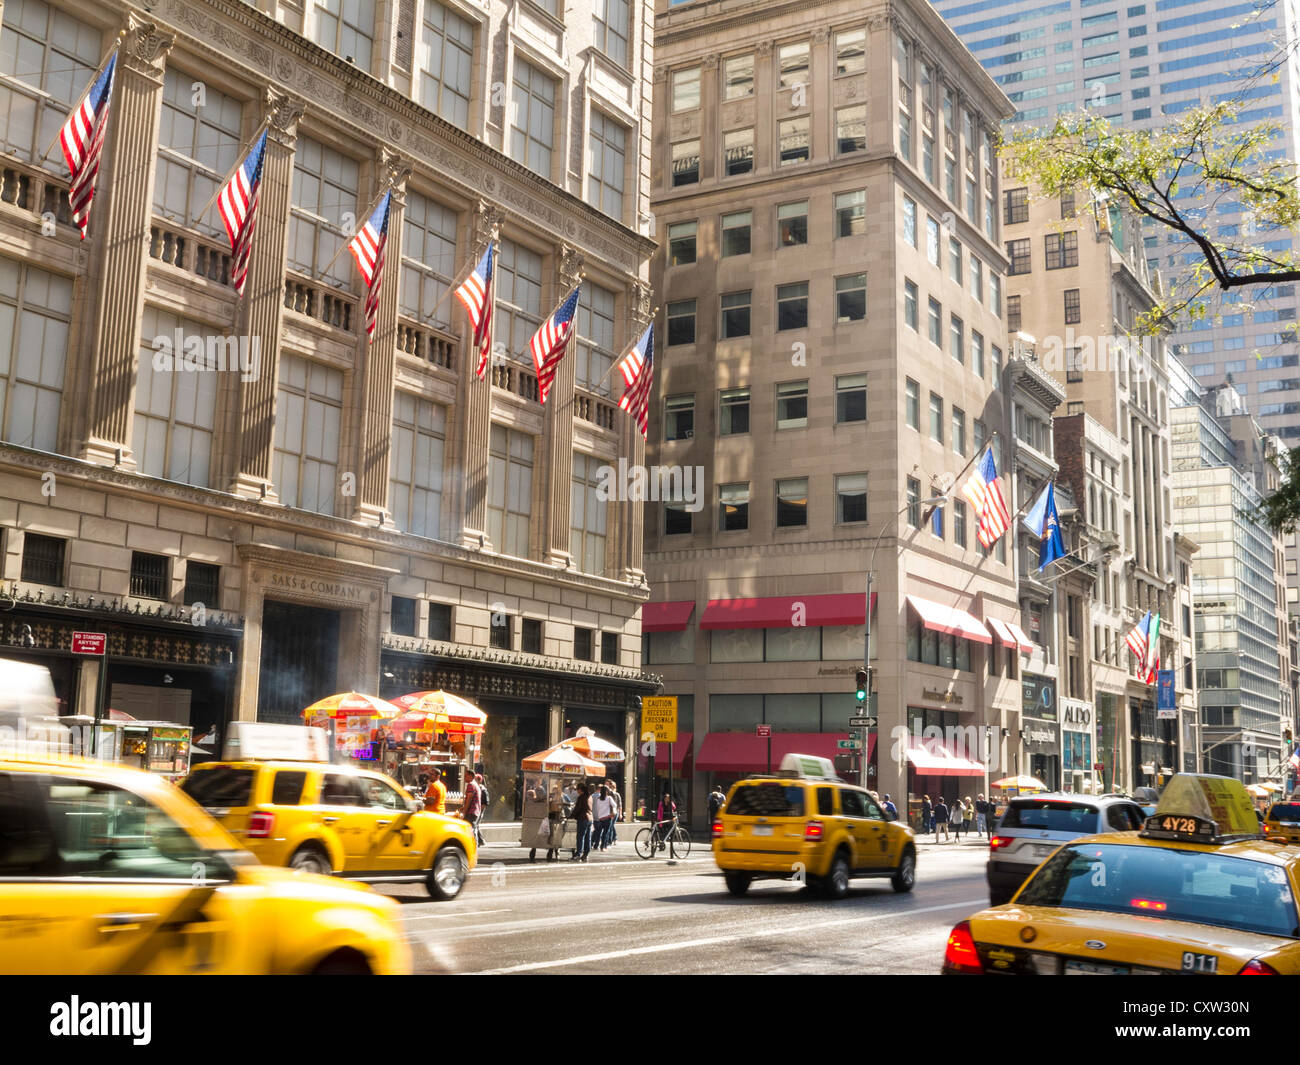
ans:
(861, 680)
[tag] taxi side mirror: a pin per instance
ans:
(415, 805)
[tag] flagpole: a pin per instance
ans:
(86, 92)
(239, 161)
(346, 243)
(464, 273)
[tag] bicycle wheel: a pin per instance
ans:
(681, 843)
(644, 847)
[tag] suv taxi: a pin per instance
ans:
(335, 819)
(109, 870)
(1282, 822)
(805, 818)
(1196, 891)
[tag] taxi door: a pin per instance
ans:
(393, 842)
(889, 836)
(345, 810)
(869, 842)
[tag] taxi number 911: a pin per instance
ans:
(1200, 963)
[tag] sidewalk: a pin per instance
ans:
(502, 845)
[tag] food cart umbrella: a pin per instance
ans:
(351, 704)
(562, 759)
(1020, 783)
(120, 715)
(588, 743)
(422, 711)
(1259, 791)
(1272, 785)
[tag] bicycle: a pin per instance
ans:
(651, 840)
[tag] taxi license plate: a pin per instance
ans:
(762, 830)
(1092, 968)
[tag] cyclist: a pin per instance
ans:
(666, 820)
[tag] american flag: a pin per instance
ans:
(238, 205)
(549, 342)
(367, 248)
(638, 370)
(475, 294)
(1144, 641)
(82, 139)
(984, 491)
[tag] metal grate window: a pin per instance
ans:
(148, 575)
(500, 634)
(582, 645)
(43, 559)
(202, 584)
(532, 636)
(439, 622)
(403, 616)
(609, 648)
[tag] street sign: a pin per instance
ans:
(848, 745)
(763, 730)
(89, 643)
(659, 715)
(1098, 766)
(862, 722)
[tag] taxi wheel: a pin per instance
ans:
(448, 874)
(836, 884)
(310, 859)
(905, 879)
(737, 883)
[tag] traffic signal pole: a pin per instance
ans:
(865, 708)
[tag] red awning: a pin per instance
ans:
(782, 611)
(949, 619)
(744, 752)
(1010, 634)
(681, 752)
(934, 760)
(1026, 644)
(666, 617)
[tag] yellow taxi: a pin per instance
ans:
(335, 819)
(805, 821)
(1282, 822)
(109, 870)
(1195, 891)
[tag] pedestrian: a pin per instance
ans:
(611, 833)
(555, 817)
(602, 813)
(891, 811)
(981, 815)
(481, 788)
(941, 819)
(926, 811)
(582, 815)
(471, 806)
(958, 817)
(667, 812)
(716, 801)
(435, 795)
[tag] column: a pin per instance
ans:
(633, 513)
(476, 399)
(378, 361)
(262, 308)
(631, 751)
(119, 223)
(554, 724)
(559, 431)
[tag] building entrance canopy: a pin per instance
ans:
(935, 760)
(949, 619)
(787, 611)
(745, 752)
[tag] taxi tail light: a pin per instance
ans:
(1258, 968)
(259, 825)
(717, 829)
(1001, 841)
(813, 830)
(961, 955)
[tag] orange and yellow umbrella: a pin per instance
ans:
(351, 704)
(440, 711)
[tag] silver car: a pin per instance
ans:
(1033, 826)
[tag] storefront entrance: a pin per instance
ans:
(300, 648)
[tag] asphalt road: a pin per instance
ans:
(647, 917)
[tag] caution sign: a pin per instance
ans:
(659, 715)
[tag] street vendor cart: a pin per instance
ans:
(161, 747)
(434, 730)
(548, 775)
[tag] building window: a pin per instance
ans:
(686, 89)
(734, 412)
(735, 314)
(792, 224)
(976, 280)
(792, 306)
(1073, 371)
(931, 240)
(733, 507)
(936, 418)
(1073, 315)
(1067, 205)
(197, 146)
(851, 398)
(736, 233)
(446, 64)
(913, 502)
(609, 648)
(325, 184)
(428, 260)
(936, 323)
(439, 622)
(606, 163)
(416, 464)
(43, 559)
(996, 362)
(977, 353)
(532, 118)
(510, 490)
(851, 52)
(518, 281)
(1061, 250)
(909, 220)
(681, 243)
(794, 64)
(910, 300)
(677, 519)
(1015, 206)
(499, 631)
(738, 76)
(738, 151)
(202, 584)
(1018, 252)
(792, 502)
(681, 322)
(959, 523)
(686, 163)
(957, 332)
(148, 576)
(588, 516)
(913, 405)
(595, 330)
(610, 21)
(402, 616)
(851, 214)
(851, 129)
(954, 259)
(1013, 314)
(936, 530)
(175, 413)
(792, 405)
(583, 644)
(851, 298)
(995, 293)
(927, 152)
(959, 430)
(792, 136)
(530, 636)
(346, 29)
(308, 421)
(850, 498)
(679, 417)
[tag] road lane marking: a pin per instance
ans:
(443, 916)
(687, 944)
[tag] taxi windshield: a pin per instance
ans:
(1284, 811)
(1179, 885)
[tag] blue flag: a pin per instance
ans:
(1044, 522)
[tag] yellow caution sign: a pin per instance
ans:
(659, 715)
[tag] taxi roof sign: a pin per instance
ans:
(809, 765)
(264, 741)
(1207, 800)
